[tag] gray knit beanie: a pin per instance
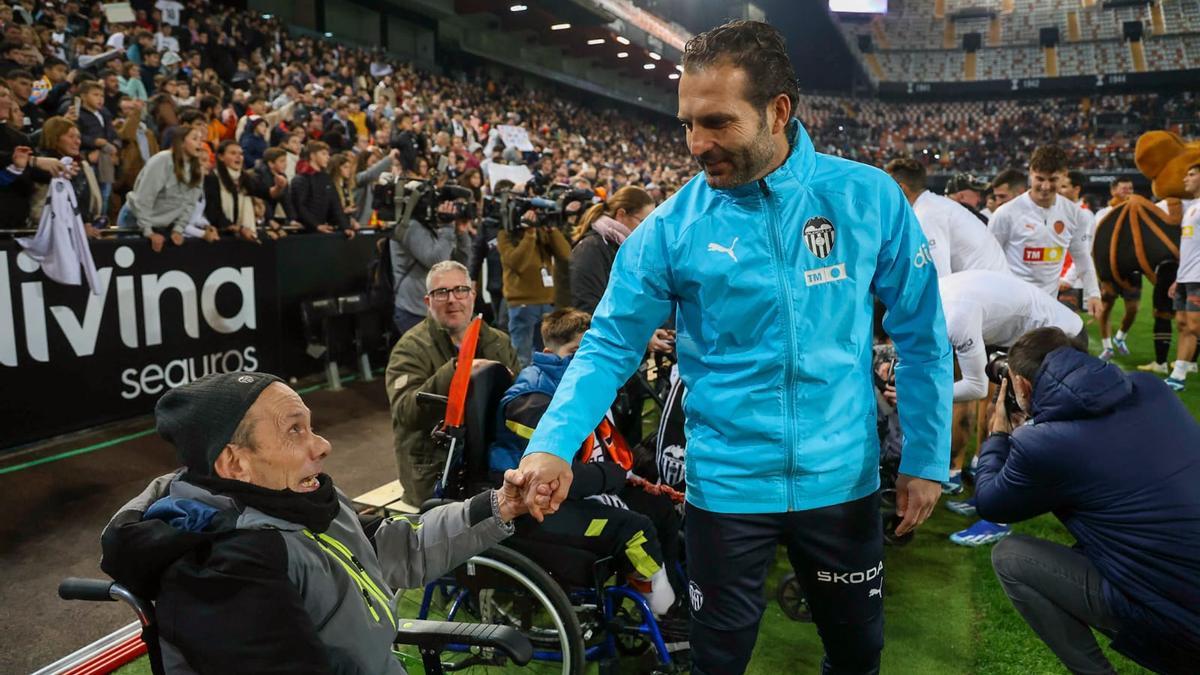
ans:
(200, 417)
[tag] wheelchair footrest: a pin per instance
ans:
(436, 635)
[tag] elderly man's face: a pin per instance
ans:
(284, 452)
(451, 312)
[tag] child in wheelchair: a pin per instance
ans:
(609, 511)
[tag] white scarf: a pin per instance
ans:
(245, 206)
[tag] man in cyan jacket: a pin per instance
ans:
(255, 561)
(1116, 457)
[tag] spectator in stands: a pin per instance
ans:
(20, 82)
(166, 191)
(254, 141)
(424, 360)
(313, 196)
(228, 190)
(131, 84)
(600, 232)
(96, 125)
(370, 166)
(61, 138)
(251, 528)
(528, 256)
(1115, 457)
(274, 193)
(956, 242)
(15, 197)
(966, 190)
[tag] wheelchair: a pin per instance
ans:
(429, 637)
(560, 598)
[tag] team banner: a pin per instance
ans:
(70, 358)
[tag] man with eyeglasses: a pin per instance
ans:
(423, 360)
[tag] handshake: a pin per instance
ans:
(537, 487)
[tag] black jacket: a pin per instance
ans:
(315, 200)
(484, 248)
(92, 128)
(14, 198)
(264, 180)
(1116, 457)
(591, 263)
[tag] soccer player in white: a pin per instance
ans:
(992, 309)
(958, 241)
(1164, 303)
(1036, 230)
(1186, 289)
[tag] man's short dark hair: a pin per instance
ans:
(755, 47)
(1013, 178)
(1118, 180)
(18, 74)
(272, 154)
(1028, 352)
(52, 61)
(1049, 159)
(908, 172)
(1076, 178)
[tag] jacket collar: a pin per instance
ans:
(795, 171)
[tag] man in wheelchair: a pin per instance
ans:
(609, 511)
(256, 561)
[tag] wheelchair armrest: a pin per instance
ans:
(429, 400)
(434, 502)
(437, 635)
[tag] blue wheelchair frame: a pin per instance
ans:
(612, 598)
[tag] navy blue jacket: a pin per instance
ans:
(1116, 457)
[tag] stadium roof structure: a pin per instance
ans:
(585, 30)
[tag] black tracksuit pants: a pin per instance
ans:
(837, 552)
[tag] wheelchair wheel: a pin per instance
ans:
(790, 597)
(501, 586)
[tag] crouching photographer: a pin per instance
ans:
(1116, 457)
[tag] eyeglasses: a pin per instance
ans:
(441, 294)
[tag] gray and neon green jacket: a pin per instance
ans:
(237, 590)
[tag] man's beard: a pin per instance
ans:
(748, 161)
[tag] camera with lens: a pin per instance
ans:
(997, 372)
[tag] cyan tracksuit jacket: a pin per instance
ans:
(773, 284)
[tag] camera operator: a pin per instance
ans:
(416, 246)
(1116, 457)
(986, 311)
(529, 251)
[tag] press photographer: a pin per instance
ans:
(433, 223)
(1116, 457)
(531, 244)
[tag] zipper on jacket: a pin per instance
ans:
(370, 591)
(789, 324)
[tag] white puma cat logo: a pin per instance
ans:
(721, 249)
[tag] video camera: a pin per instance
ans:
(403, 200)
(997, 372)
(554, 209)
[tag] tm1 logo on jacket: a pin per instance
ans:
(819, 236)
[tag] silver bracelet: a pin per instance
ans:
(506, 525)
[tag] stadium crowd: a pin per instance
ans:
(262, 104)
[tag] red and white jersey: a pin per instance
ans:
(1036, 240)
